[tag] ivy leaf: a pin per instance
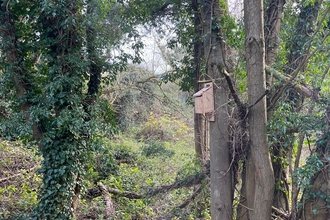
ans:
(315, 211)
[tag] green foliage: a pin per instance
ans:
(164, 128)
(58, 50)
(190, 169)
(44, 46)
(124, 153)
(156, 149)
(15, 126)
(137, 173)
(103, 165)
(120, 163)
(304, 174)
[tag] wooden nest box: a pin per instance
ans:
(204, 101)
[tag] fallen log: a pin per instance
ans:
(109, 207)
(193, 180)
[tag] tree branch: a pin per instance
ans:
(191, 198)
(191, 181)
(304, 90)
(280, 213)
(231, 88)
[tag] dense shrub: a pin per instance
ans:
(156, 149)
(104, 165)
(162, 127)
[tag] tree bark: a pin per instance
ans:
(199, 120)
(315, 206)
(272, 27)
(259, 175)
(273, 22)
(109, 209)
(220, 167)
(315, 197)
(295, 187)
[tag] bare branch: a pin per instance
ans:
(325, 73)
(304, 90)
(231, 88)
(280, 213)
(188, 182)
(127, 194)
(191, 198)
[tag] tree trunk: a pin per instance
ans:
(14, 61)
(298, 47)
(273, 22)
(272, 26)
(281, 192)
(315, 206)
(315, 198)
(220, 170)
(259, 175)
(303, 33)
(57, 193)
(199, 120)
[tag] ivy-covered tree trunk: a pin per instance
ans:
(14, 59)
(49, 71)
(298, 47)
(199, 120)
(220, 156)
(62, 146)
(259, 176)
(316, 196)
(299, 43)
(315, 200)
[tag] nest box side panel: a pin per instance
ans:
(208, 99)
(199, 105)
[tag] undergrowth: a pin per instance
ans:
(18, 181)
(124, 163)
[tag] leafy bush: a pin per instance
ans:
(104, 165)
(163, 128)
(124, 154)
(156, 149)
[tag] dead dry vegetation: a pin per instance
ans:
(19, 182)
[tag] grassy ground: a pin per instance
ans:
(158, 153)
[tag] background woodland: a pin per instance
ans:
(97, 111)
